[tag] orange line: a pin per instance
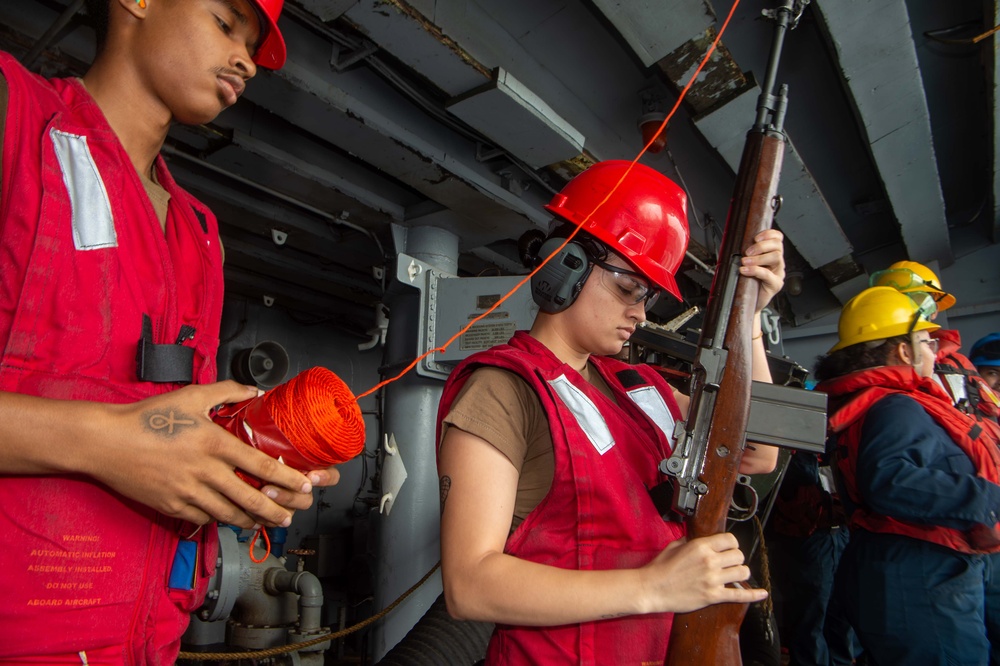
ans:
(528, 277)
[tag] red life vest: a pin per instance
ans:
(84, 260)
(968, 390)
(863, 389)
(598, 514)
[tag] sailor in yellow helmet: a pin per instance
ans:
(921, 485)
(956, 373)
(911, 277)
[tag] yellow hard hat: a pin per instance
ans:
(909, 276)
(878, 313)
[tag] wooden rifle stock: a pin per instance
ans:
(711, 635)
(709, 446)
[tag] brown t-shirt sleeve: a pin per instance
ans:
(498, 406)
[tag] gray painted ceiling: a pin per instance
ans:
(468, 114)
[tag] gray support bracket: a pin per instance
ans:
(423, 277)
(448, 303)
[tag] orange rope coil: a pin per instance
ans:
(310, 422)
(319, 415)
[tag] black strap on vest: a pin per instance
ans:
(202, 220)
(630, 378)
(946, 369)
(970, 404)
(164, 364)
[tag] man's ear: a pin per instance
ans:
(136, 8)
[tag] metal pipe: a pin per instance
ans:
(409, 533)
(258, 604)
(309, 589)
(435, 246)
(699, 263)
(264, 189)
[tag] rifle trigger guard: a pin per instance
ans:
(743, 504)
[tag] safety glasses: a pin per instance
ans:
(629, 287)
(901, 279)
(933, 344)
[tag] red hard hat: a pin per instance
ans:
(271, 52)
(644, 221)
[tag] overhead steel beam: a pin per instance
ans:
(259, 215)
(329, 221)
(358, 112)
(327, 10)
(407, 33)
(34, 19)
(723, 100)
(805, 218)
(654, 28)
(456, 45)
(512, 115)
(720, 79)
(877, 57)
(305, 161)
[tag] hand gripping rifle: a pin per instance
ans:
(709, 445)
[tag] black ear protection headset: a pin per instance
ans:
(558, 283)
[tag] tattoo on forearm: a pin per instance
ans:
(167, 421)
(445, 487)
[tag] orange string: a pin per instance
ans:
(267, 545)
(582, 222)
(316, 411)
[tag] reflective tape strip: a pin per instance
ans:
(651, 402)
(588, 417)
(956, 387)
(93, 224)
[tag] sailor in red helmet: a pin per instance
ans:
(110, 306)
(548, 447)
